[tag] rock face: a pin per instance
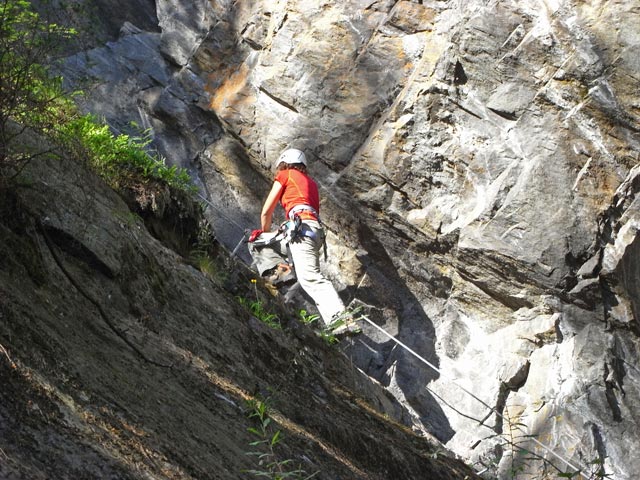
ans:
(478, 163)
(119, 359)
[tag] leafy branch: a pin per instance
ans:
(264, 447)
(33, 104)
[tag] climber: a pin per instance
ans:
(301, 238)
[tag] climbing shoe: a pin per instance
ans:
(281, 273)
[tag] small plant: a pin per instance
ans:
(521, 457)
(597, 471)
(348, 317)
(204, 255)
(204, 262)
(129, 218)
(327, 335)
(437, 453)
(268, 439)
(257, 309)
(308, 318)
(324, 332)
(115, 157)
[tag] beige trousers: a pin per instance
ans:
(305, 252)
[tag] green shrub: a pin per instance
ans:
(30, 100)
(257, 309)
(308, 318)
(33, 103)
(116, 157)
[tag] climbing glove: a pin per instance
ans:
(254, 234)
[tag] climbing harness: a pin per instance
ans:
(295, 211)
(287, 231)
(285, 234)
(291, 229)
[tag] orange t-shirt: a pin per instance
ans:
(298, 189)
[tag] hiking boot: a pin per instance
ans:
(279, 274)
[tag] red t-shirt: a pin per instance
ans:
(299, 189)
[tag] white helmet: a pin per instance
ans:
(291, 155)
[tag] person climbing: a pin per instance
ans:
(304, 236)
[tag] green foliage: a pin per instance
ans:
(325, 333)
(595, 471)
(27, 92)
(308, 318)
(30, 100)
(116, 156)
(256, 308)
(129, 218)
(33, 102)
(264, 447)
(328, 337)
(207, 265)
(204, 255)
(348, 316)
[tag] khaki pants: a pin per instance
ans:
(305, 252)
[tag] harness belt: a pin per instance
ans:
(293, 228)
(303, 229)
(295, 211)
(286, 233)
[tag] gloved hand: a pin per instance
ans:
(254, 234)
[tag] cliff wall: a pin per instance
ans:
(478, 163)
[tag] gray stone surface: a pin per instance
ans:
(120, 358)
(478, 165)
(132, 86)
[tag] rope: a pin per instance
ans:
(230, 220)
(429, 364)
(233, 222)
(436, 369)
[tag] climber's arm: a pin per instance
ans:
(270, 205)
